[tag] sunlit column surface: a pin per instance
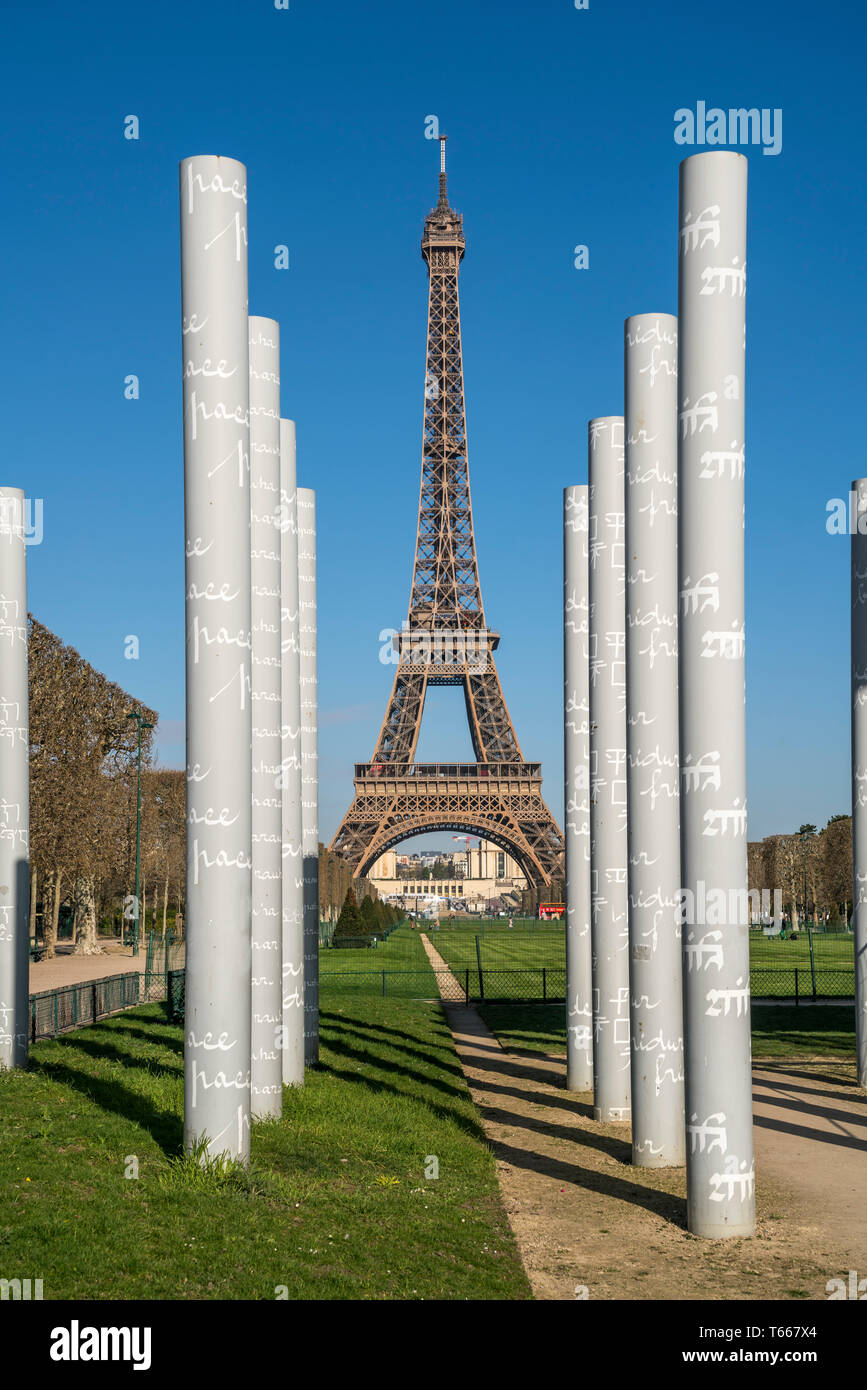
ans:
(576, 694)
(859, 769)
(293, 866)
(309, 766)
(653, 835)
(14, 785)
(716, 952)
(266, 700)
(213, 203)
(609, 935)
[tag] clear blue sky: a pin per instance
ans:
(561, 132)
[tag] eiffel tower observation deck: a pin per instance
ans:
(445, 639)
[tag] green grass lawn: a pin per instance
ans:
(772, 962)
(335, 1204)
(778, 1030)
(408, 973)
(359, 969)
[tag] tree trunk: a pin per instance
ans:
(50, 917)
(33, 874)
(165, 905)
(86, 943)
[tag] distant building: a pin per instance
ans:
(488, 872)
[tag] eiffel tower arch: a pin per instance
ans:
(445, 640)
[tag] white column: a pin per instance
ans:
(293, 867)
(14, 786)
(653, 791)
(859, 768)
(609, 931)
(219, 782)
(309, 766)
(711, 300)
(576, 670)
(266, 700)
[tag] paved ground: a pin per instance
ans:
(68, 969)
(586, 1220)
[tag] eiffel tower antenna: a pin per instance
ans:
(446, 640)
(444, 199)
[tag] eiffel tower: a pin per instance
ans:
(445, 640)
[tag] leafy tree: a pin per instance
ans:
(349, 923)
(369, 918)
(83, 754)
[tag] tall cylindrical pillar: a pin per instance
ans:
(653, 792)
(859, 766)
(293, 866)
(715, 908)
(266, 702)
(609, 932)
(14, 785)
(576, 694)
(219, 778)
(309, 766)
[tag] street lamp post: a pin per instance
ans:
(142, 724)
(804, 858)
(807, 832)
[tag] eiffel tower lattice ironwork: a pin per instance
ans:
(445, 640)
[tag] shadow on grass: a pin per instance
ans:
(110, 1094)
(468, 1124)
(362, 1032)
(353, 1054)
(107, 1051)
(168, 1044)
(166, 1128)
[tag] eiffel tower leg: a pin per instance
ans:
(491, 729)
(400, 727)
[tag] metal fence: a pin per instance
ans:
(164, 953)
(801, 982)
(548, 983)
(74, 1006)
(56, 1011)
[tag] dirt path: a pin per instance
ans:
(448, 984)
(584, 1217)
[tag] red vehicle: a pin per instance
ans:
(551, 911)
